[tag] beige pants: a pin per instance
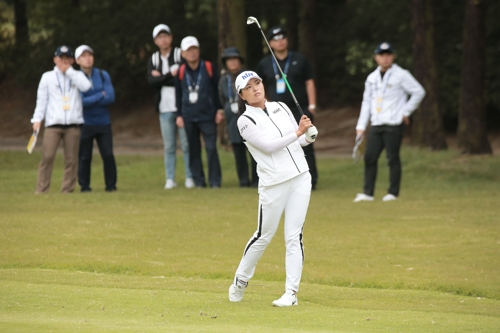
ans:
(71, 141)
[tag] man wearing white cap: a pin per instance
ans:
(97, 122)
(199, 110)
(162, 69)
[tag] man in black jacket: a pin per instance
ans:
(162, 69)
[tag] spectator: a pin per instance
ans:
(96, 121)
(162, 69)
(199, 111)
(232, 62)
(387, 107)
(300, 76)
(59, 103)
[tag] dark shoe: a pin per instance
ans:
(111, 189)
(87, 189)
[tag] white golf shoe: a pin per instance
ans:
(236, 290)
(189, 183)
(363, 197)
(389, 197)
(289, 298)
(170, 184)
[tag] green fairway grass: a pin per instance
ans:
(144, 259)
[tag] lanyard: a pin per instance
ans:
(385, 86)
(59, 85)
(276, 74)
(198, 80)
(230, 89)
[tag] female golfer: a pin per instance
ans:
(274, 139)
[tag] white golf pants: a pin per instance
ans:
(291, 197)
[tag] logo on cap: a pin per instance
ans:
(246, 75)
(384, 46)
(275, 31)
(64, 49)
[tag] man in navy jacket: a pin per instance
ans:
(199, 111)
(97, 122)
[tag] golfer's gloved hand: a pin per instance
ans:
(311, 134)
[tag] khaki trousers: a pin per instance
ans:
(70, 137)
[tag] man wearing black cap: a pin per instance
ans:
(232, 62)
(59, 103)
(299, 75)
(387, 107)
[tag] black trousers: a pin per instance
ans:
(208, 129)
(309, 149)
(240, 156)
(390, 138)
(104, 138)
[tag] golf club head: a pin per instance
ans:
(251, 20)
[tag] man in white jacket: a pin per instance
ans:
(59, 103)
(387, 107)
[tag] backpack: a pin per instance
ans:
(208, 66)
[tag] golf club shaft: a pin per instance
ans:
(282, 74)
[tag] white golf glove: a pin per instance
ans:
(311, 134)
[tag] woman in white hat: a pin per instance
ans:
(274, 139)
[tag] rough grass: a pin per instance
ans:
(145, 260)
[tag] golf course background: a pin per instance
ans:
(145, 259)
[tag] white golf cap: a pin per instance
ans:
(161, 28)
(189, 41)
(243, 78)
(82, 48)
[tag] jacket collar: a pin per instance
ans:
(254, 109)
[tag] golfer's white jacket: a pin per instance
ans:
(385, 101)
(53, 87)
(271, 139)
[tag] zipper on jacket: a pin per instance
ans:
(282, 136)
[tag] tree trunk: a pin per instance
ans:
(232, 25)
(21, 18)
(232, 32)
(307, 30)
(427, 127)
(472, 135)
(292, 23)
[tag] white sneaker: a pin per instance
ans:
(189, 183)
(236, 290)
(389, 197)
(363, 197)
(170, 184)
(289, 298)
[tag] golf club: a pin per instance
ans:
(313, 131)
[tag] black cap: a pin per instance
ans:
(231, 52)
(384, 48)
(64, 50)
(275, 31)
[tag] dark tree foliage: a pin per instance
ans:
(341, 37)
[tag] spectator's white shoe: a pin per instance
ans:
(189, 183)
(236, 290)
(363, 197)
(389, 197)
(170, 184)
(289, 298)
